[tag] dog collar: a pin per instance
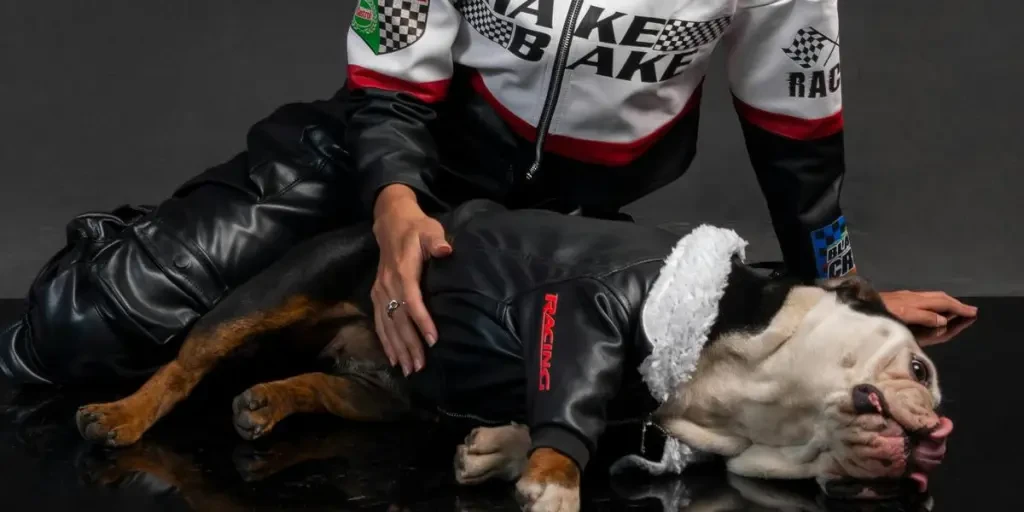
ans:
(676, 318)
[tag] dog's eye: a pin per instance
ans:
(919, 370)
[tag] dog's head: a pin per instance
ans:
(834, 388)
(881, 417)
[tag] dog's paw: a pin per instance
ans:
(254, 414)
(111, 424)
(551, 483)
(536, 496)
(492, 453)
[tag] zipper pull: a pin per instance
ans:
(643, 436)
(533, 169)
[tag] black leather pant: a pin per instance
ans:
(116, 301)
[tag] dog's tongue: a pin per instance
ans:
(929, 453)
(922, 481)
(942, 431)
(926, 455)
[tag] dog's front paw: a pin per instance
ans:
(551, 483)
(254, 413)
(487, 453)
(547, 497)
(113, 424)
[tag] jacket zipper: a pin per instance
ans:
(473, 417)
(649, 422)
(564, 43)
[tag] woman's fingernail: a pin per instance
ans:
(431, 340)
(942, 321)
(419, 365)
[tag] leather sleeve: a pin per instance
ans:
(574, 346)
(399, 67)
(783, 64)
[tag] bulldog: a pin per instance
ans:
(552, 327)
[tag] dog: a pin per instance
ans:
(550, 326)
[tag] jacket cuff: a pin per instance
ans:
(563, 441)
(372, 187)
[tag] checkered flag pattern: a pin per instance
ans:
(822, 239)
(807, 47)
(402, 23)
(680, 35)
(480, 16)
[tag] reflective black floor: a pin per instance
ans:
(194, 461)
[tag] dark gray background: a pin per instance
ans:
(120, 101)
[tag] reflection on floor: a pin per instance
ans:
(193, 460)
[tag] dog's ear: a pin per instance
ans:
(853, 290)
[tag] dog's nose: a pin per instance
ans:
(867, 399)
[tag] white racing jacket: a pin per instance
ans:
(594, 103)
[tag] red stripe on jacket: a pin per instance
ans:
(428, 92)
(789, 126)
(588, 151)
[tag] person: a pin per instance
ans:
(604, 100)
(570, 106)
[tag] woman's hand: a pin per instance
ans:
(407, 237)
(928, 309)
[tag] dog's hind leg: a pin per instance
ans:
(361, 387)
(492, 452)
(262, 406)
(123, 422)
(307, 287)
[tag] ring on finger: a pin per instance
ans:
(393, 306)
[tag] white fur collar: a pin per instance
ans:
(676, 318)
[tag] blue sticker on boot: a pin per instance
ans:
(832, 252)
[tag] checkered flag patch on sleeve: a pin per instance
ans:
(832, 253)
(807, 47)
(480, 16)
(680, 35)
(402, 23)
